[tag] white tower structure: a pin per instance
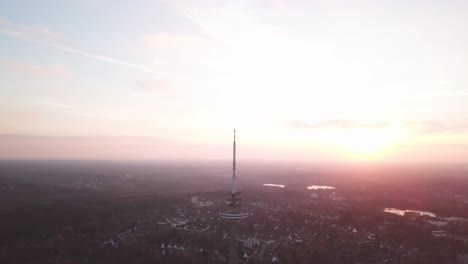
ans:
(234, 183)
(233, 212)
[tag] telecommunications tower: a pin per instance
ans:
(233, 211)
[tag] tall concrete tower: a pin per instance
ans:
(233, 212)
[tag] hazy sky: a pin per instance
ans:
(306, 80)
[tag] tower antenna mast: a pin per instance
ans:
(234, 183)
(233, 212)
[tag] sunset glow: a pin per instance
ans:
(369, 143)
(234, 131)
(319, 80)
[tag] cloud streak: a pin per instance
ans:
(56, 70)
(99, 57)
(425, 127)
(336, 124)
(52, 39)
(153, 85)
(436, 127)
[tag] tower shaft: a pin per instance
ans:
(233, 243)
(234, 183)
(233, 212)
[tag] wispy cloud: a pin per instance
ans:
(183, 8)
(100, 57)
(436, 127)
(418, 127)
(55, 70)
(181, 42)
(429, 89)
(111, 138)
(336, 124)
(153, 85)
(50, 38)
(56, 105)
(186, 49)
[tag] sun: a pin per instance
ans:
(367, 143)
(364, 143)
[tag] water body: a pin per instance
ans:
(441, 221)
(403, 212)
(274, 185)
(320, 187)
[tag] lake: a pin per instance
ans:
(320, 187)
(274, 185)
(403, 212)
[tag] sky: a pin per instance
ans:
(299, 80)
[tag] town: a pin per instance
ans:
(108, 213)
(321, 228)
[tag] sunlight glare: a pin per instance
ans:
(367, 143)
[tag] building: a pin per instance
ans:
(194, 200)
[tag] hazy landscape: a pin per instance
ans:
(69, 211)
